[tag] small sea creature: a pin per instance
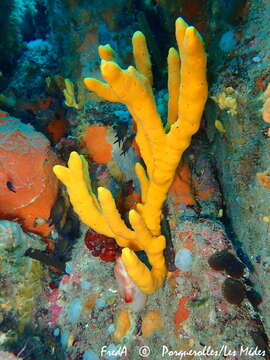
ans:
(198, 301)
(69, 94)
(168, 252)
(59, 212)
(71, 228)
(131, 293)
(40, 221)
(233, 291)
(264, 178)
(218, 260)
(121, 130)
(10, 186)
(127, 144)
(64, 219)
(266, 132)
(224, 260)
(227, 102)
(219, 126)
(128, 188)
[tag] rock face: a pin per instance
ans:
(28, 188)
(21, 286)
(93, 22)
(193, 311)
(241, 78)
(200, 308)
(7, 356)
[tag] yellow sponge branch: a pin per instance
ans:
(144, 182)
(139, 98)
(102, 89)
(161, 151)
(106, 52)
(173, 85)
(148, 281)
(112, 216)
(82, 200)
(141, 56)
(145, 150)
(69, 94)
(180, 31)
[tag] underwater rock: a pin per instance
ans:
(20, 276)
(44, 258)
(261, 341)
(28, 188)
(12, 29)
(189, 309)
(228, 41)
(65, 146)
(254, 297)
(4, 355)
(12, 236)
(37, 62)
(243, 151)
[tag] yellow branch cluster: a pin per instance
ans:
(161, 151)
(69, 94)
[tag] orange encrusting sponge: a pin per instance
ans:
(28, 188)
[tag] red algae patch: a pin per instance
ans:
(181, 314)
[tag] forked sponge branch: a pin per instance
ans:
(161, 150)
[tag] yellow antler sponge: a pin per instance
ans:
(161, 150)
